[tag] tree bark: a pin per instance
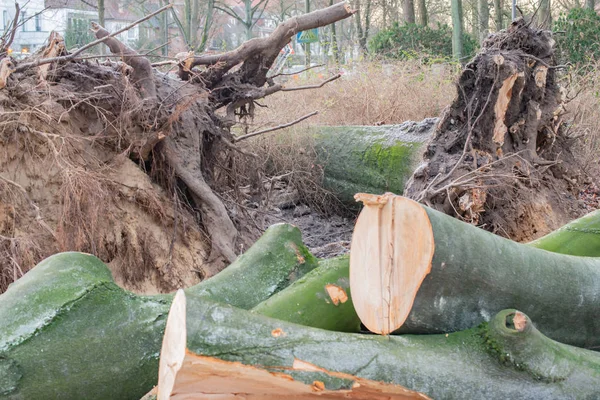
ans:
(408, 10)
(67, 329)
(457, 29)
(498, 15)
(379, 158)
(423, 20)
(484, 19)
(580, 237)
(472, 275)
(591, 4)
(509, 358)
(321, 299)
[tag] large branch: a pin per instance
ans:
(280, 37)
(142, 69)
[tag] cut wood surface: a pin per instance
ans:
(386, 270)
(200, 377)
(373, 159)
(492, 361)
(68, 331)
(474, 274)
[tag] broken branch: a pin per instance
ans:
(280, 36)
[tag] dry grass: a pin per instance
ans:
(368, 94)
(584, 116)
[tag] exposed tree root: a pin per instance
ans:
(89, 115)
(500, 148)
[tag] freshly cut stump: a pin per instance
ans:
(386, 271)
(474, 274)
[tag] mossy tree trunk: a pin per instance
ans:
(579, 238)
(307, 301)
(320, 299)
(375, 159)
(69, 332)
(469, 276)
(509, 358)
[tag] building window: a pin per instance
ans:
(38, 22)
(23, 21)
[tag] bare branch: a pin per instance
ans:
(299, 72)
(15, 25)
(280, 36)
(320, 85)
(275, 128)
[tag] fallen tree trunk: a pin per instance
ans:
(471, 275)
(509, 358)
(276, 260)
(68, 331)
(320, 299)
(579, 238)
(308, 302)
(185, 375)
(373, 159)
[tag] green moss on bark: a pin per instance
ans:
(373, 159)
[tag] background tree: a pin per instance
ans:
(484, 19)
(498, 18)
(457, 29)
(408, 10)
(422, 12)
(544, 14)
(248, 16)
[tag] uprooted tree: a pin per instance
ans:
(74, 117)
(502, 146)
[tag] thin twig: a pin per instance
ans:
(320, 85)
(275, 128)
(299, 72)
(70, 57)
(171, 59)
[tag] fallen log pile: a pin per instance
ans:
(70, 332)
(426, 306)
